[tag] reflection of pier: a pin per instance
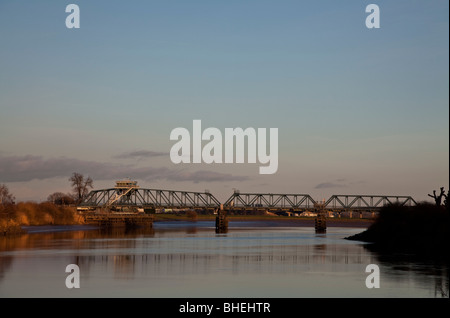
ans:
(191, 261)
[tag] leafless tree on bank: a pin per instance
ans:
(80, 185)
(438, 198)
(5, 196)
(60, 198)
(447, 201)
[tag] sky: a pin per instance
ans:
(358, 110)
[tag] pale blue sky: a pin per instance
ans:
(358, 110)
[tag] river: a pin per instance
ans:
(188, 259)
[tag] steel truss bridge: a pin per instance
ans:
(135, 197)
(269, 201)
(148, 198)
(303, 202)
(366, 202)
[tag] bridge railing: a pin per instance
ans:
(140, 197)
(150, 197)
(269, 200)
(366, 202)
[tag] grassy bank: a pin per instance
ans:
(420, 229)
(14, 216)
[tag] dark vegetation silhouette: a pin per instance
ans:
(59, 209)
(447, 201)
(5, 196)
(422, 229)
(438, 198)
(80, 186)
(60, 198)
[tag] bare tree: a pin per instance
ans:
(5, 196)
(80, 185)
(447, 200)
(60, 198)
(438, 198)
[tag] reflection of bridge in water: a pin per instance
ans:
(127, 196)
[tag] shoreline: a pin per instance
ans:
(274, 220)
(264, 221)
(421, 230)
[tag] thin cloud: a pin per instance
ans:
(204, 176)
(29, 167)
(140, 154)
(338, 183)
(326, 185)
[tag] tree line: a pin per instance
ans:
(58, 209)
(81, 185)
(80, 188)
(442, 195)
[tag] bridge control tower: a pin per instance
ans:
(125, 184)
(124, 190)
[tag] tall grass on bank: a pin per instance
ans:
(420, 228)
(9, 226)
(13, 216)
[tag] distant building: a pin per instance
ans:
(126, 184)
(308, 214)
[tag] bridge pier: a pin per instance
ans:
(320, 222)
(221, 221)
(112, 220)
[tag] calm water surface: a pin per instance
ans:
(188, 259)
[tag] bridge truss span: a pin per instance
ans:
(270, 201)
(128, 196)
(139, 197)
(366, 202)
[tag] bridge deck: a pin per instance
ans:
(153, 198)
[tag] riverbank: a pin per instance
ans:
(13, 217)
(270, 219)
(421, 229)
(10, 227)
